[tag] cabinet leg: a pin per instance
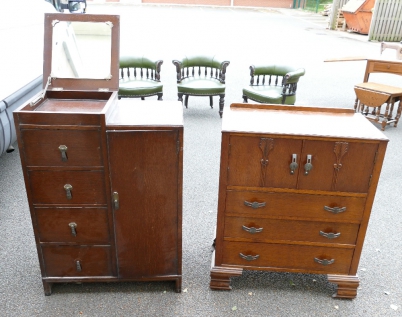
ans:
(220, 277)
(347, 285)
(178, 285)
(47, 287)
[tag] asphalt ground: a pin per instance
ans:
(244, 36)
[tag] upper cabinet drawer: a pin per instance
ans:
(385, 67)
(300, 164)
(322, 207)
(67, 187)
(62, 147)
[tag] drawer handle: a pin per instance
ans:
(249, 257)
(293, 166)
(308, 166)
(73, 227)
(63, 150)
(324, 262)
(252, 229)
(78, 266)
(330, 235)
(68, 189)
(254, 204)
(335, 210)
(116, 204)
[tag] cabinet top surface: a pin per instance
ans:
(128, 112)
(297, 120)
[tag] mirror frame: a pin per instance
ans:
(81, 84)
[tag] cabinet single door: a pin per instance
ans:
(144, 172)
(337, 166)
(263, 161)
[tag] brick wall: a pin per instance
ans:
(238, 3)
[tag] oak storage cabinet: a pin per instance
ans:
(103, 177)
(296, 190)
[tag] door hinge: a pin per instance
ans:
(375, 157)
(369, 184)
(177, 147)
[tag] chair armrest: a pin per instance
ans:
(178, 65)
(293, 77)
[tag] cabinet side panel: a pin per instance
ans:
(144, 172)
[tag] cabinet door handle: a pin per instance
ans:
(335, 210)
(78, 266)
(308, 166)
(252, 229)
(73, 227)
(330, 235)
(324, 262)
(63, 150)
(68, 189)
(115, 198)
(254, 204)
(293, 166)
(249, 257)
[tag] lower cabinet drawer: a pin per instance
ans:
(255, 229)
(80, 225)
(272, 204)
(70, 261)
(301, 258)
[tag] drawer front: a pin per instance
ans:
(79, 225)
(70, 261)
(386, 67)
(51, 187)
(285, 256)
(62, 147)
(270, 204)
(255, 229)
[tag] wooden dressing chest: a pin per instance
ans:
(295, 193)
(103, 176)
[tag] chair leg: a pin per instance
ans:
(160, 94)
(186, 101)
(245, 99)
(221, 104)
(180, 94)
(142, 98)
(211, 102)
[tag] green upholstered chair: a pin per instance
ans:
(140, 77)
(276, 84)
(201, 76)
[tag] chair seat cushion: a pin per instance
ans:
(267, 94)
(139, 87)
(201, 86)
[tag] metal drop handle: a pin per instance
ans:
(293, 166)
(249, 257)
(254, 204)
(68, 189)
(335, 210)
(308, 166)
(63, 151)
(252, 229)
(330, 235)
(73, 227)
(324, 262)
(78, 266)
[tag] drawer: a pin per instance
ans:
(62, 147)
(270, 204)
(263, 229)
(48, 187)
(69, 261)
(285, 256)
(385, 67)
(79, 225)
